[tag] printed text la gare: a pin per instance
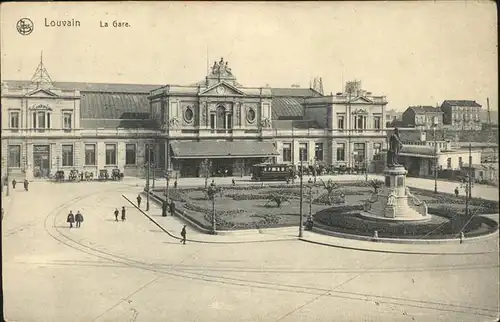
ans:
(114, 24)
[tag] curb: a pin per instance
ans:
(326, 232)
(390, 251)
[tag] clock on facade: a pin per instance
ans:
(221, 90)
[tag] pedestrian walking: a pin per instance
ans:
(183, 234)
(123, 213)
(164, 207)
(175, 184)
(172, 208)
(456, 192)
(78, 219)
(116, 214)
(234, 183)
(139, 199)
(14, 182)
(70, 219)
(26, 183)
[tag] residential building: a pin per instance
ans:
(423, 117)
(462, 114)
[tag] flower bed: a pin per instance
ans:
(447, 224)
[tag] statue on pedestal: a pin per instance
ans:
(395, 146)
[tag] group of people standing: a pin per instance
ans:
(25, 183)
(123, 214)
(77, 219)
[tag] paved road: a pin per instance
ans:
(133, 271)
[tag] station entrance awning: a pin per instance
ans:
(222, 150)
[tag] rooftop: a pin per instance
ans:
(466, 103)
(425, 109)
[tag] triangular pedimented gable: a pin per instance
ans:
(361, 100)
(41, 92)
(222, 89)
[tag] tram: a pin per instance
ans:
(271, 171)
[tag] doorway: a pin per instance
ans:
(41, 161)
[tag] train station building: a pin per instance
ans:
(49, 126)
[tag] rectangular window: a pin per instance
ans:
(34, 120)
(340, 151)
(303, 152)
(89, 154)
(14, 120)
(130, 154)
(41, 120)
(287, 152)
(448, 163)
(340, 122)
(229, 121)
(48, 121)
(212, 121)
(377, 147)
(359, 152)
(377, 122)
(67, 121)
(67, 155)
(360, 123)
(110, 154)
(14, 156)
(318, 151)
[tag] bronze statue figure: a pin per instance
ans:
(395, 146)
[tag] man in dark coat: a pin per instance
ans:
(26, 183)
(123, 213)
(116, 214)
(183, 234)
(172, 208)
(164, 207)
(14, 182)
(70, 219)
(139, 198)
(175, 184)
(78, 219)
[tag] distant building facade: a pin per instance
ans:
(49, 126)
(423, 117)
(462, 114)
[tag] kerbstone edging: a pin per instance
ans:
(401, 240)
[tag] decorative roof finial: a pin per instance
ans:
(41, 76)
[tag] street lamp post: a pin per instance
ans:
(366, 169)
(7, 175)
(435, 156)
(212, 192)
(147, 178)
(167, 194)
(301, 222)
(153, 166)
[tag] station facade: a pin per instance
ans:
(49, 126)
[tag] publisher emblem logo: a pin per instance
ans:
(25, 26)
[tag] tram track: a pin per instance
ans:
(174, 271)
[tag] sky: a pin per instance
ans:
(415, 53)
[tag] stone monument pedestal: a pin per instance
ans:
(394, 201)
